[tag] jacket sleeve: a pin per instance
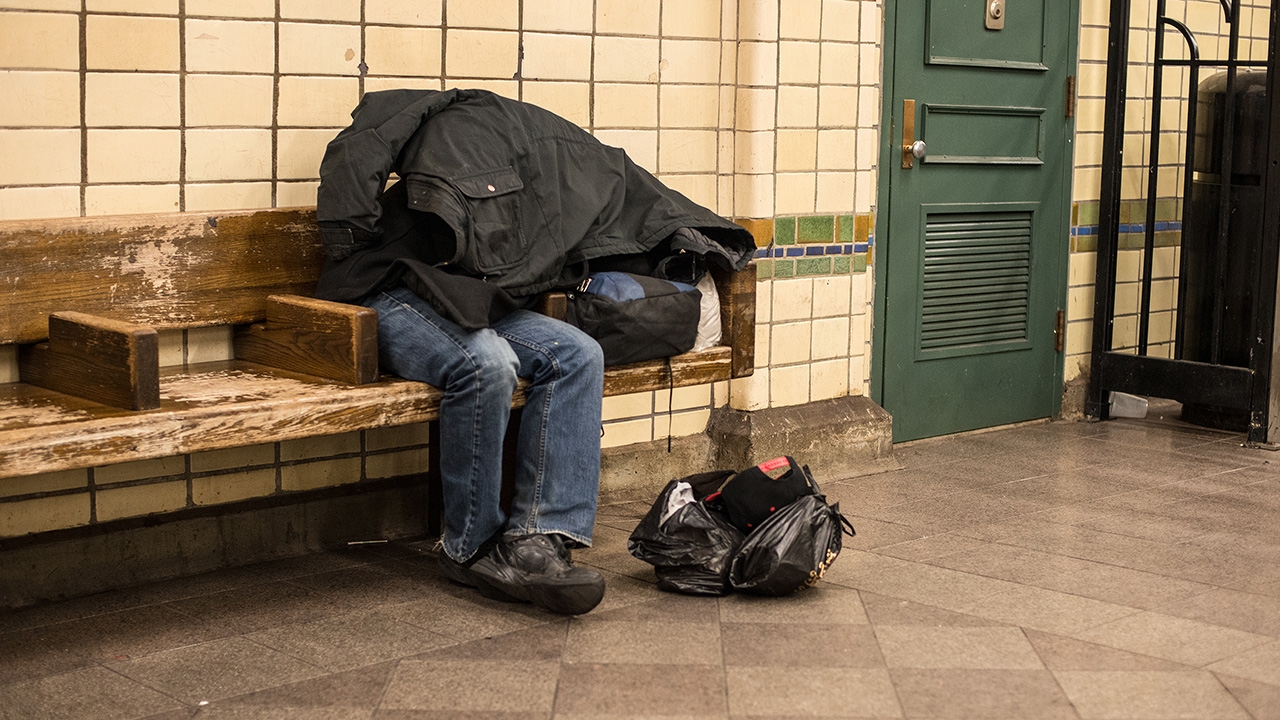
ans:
(358, 161)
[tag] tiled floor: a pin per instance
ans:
(1118, 570)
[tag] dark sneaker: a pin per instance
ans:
(462, 574)
(531, 568)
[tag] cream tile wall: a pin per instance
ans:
(754, 108)
(1205, 20)
(82, 497)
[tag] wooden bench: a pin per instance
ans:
(85, 297)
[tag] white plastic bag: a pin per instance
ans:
(709, 317)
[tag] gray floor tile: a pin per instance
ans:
(956, 510)
(267, 605)
(889, 489)
(876, 533)
(1047, 610)
(462, 614)
(1259, 699)
(591, 690)
(665, 607)
(1012, 563)
(458, 715)
(624, 589)
(974, 648)
(608, 549)
(1186, 695)
(472, 685)
(1230, 452)
(344, 642)
(981, 694)
(539, 643)
(1083, 543)
(1261, 663)
(931, 547)
(310, 564)
(1123, 586)
(372, 584)
(359, 688)
(1164, 436)
(140, 631)
(885, 610)
(797, 645)
(1230, 608)
(42, 651)
(89, 693)
(1063, 653)
(930, 585)
(216, 670)
(841, 692)
(221, 712)
(67, 610)
(205, 583)
(1186, 641)
(825, 603)
(607, 642)
(1058, 489)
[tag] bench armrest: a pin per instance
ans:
(108, 361)
(737, 291)
(315, 337)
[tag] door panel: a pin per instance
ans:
(1020, 44)
(982, 134)
(976, 233)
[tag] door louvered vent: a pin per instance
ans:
(977, 280)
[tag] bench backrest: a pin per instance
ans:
(172, 270)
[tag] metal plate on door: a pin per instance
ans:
(995, 14)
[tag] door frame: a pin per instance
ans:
(891, 152)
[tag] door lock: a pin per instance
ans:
(995, 14)
(911, 147)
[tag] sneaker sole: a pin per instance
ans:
(462, 575)
(567, 599)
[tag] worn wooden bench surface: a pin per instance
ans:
(84, 298)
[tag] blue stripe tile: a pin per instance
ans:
(813, 251)
(848, 249)
(860, 247)
(835, 250)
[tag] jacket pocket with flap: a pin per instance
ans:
(496, 240)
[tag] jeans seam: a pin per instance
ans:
(531, 522)
(475, 436)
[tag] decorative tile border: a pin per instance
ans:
(1133, 225)
(808, 245)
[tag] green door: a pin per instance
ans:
(971, 253)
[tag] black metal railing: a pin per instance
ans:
(1212, 381)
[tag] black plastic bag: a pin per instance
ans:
(692, 550)
(791, 550)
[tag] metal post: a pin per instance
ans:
(1104, 302)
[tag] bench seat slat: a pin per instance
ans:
(234, 403)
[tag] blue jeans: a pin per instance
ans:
(558, 451)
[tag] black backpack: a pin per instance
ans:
(635, 317)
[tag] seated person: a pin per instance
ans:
(498, 201)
